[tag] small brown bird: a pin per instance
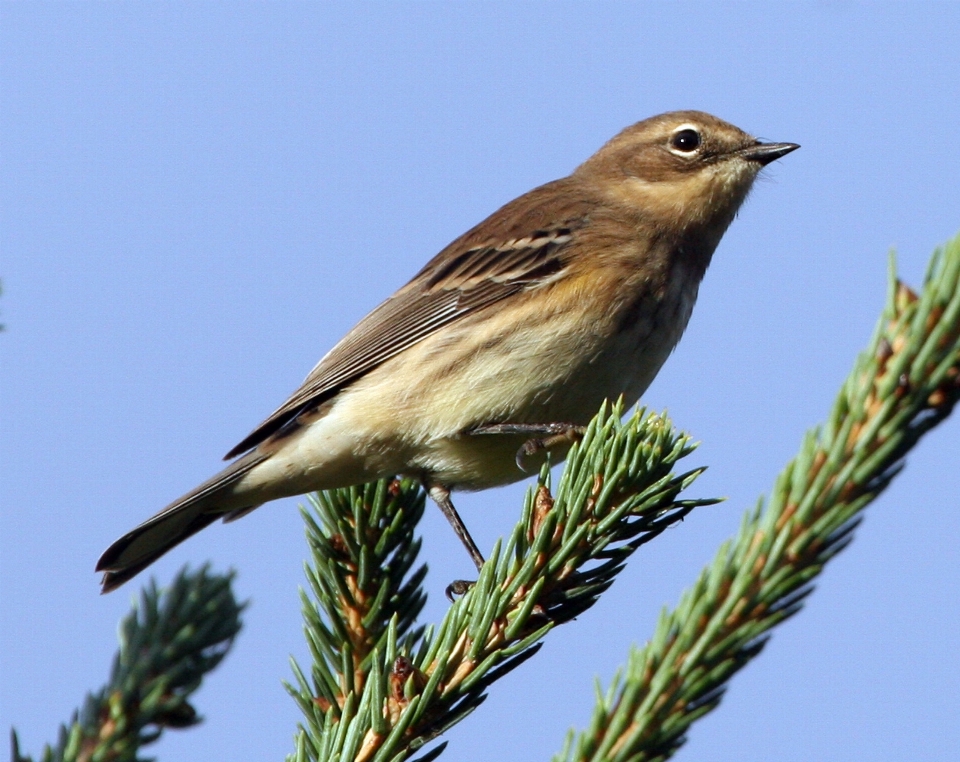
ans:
(507, 341)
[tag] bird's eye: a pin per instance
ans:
(686, 140)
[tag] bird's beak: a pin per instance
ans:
(764, 153)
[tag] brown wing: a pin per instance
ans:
(522, 244)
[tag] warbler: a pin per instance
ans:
(506, 342)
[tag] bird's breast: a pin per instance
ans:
(650, 325)
(555, 364)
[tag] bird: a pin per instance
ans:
(506, 343)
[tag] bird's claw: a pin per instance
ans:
(560, 433)
(543, 436)
(458, 587)
(530, 447)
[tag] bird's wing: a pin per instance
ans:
(521, 245)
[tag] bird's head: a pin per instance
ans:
(682, 169)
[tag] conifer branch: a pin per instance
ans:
(381, 687)
(381, 690)
(903, 385)
(167, 644)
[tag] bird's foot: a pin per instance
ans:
(543, 436)
(457, 588)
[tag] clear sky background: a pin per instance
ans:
(198, 200)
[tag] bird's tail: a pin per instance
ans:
(140, 547)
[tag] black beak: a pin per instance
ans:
(764, 153)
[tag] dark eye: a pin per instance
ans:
(685, 140)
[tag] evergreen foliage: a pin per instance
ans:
(381, 689)
(904, 384)
(167, 644)
(382, 686)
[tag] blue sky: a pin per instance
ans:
(198, 200)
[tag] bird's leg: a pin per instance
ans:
(543, 436)
(441, 496)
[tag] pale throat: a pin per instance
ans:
(693, 212)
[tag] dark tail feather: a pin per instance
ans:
(140, 547)
(136, 550)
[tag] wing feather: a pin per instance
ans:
(477, 270)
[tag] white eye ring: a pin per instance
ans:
(685, 141)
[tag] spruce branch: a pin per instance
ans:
(363, 547)
(380, 689)
(167, 644)
(904, 384)
(381, 686)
